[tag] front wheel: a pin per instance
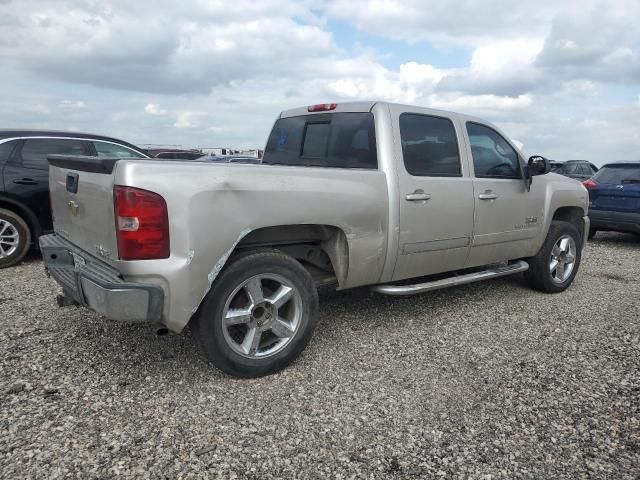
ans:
(259, 315)
(555, 266)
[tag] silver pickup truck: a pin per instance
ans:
(401, 198)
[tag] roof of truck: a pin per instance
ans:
(367, 106)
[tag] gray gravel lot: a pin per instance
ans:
(490, 380)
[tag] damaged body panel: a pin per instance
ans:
(359, 209)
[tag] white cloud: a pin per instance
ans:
(481, 103)
(154, 109)
(188, 119)
(562, 77)
(72, 104)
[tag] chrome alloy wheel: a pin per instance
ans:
(262, 315)
(563, 259)
(9, 238)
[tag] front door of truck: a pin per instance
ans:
(508, 218)
(436, 193)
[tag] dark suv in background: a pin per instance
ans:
(25, 211)
(614, 198)
(577, 169)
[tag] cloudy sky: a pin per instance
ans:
(560, 77)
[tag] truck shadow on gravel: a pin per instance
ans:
(615, 239)
(132, 352)
(343, 316)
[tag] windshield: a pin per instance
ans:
(618, 174)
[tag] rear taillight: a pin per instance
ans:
(142, 224)
(322, 107)
(589, 184)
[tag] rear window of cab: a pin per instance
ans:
(336, 140)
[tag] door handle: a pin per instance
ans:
(417, 196)
(26, 181)
(488, 196)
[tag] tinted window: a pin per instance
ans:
(112, 150)
(34, 151)
(585, 169)
(429, 146)
(316, 140)
(343, 140)
(618, 174)
(592, 170)
(573, 169)
(556, 167)
(5, 150)
(493, 157)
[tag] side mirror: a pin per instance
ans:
(538, 165)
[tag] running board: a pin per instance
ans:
(517, 267)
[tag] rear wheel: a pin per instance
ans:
(259, 315)
(555, 266)
(592, 233)
(15, 238)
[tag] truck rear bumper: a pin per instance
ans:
(98, 286)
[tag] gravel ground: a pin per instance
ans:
(490, 380)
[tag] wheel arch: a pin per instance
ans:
(570, 214)
(26, 213)
(320, 248)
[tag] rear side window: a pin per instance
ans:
(585, 169)
(573, 169)
(493, 157)
(112, 150)
(6, 149)
(34, 151)
(339, 140)
(429, 146)
(618, 174)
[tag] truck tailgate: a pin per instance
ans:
(82, 203)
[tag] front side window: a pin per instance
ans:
(493, 157)
(112, 150)
(338, 140)
(35, 150)
(429, 146)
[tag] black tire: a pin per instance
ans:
(12, 222)
(209, 329)
(539, 275)
(592, 233)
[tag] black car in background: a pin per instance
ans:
(25, 210)
(577, 169)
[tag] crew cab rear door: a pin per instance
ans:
(436, 193)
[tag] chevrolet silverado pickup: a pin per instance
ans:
(400, 198)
